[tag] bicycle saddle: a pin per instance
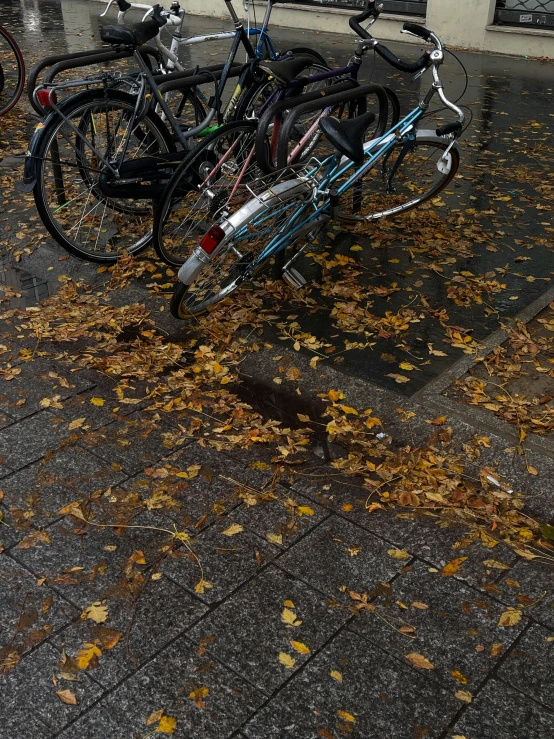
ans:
(285, 71)
(133, 35)
(347, 135)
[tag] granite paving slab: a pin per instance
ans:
(531, 584)
(454, 627)
(206, 698)
(30, 689)
(352, 688)
(19, 723)
(284, 516)
(27, 441)
(227, 560)
(500, 712)
(338, 556)
(30, 613)
(140, 628)
(529, 667)
(247, 631)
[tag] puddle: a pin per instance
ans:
(21, 289)
(285, 407)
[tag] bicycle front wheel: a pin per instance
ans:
(12, 71)
(72, 175)
(401, 180)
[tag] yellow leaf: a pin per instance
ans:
(347, 507)
(407, 366)
(286, 660)
(67, 696)
(345, 716)
(418, 660)
(336, 675)
(400, 554)
(275, 538)
(496, 649)
(202, 585)
(97, 612)
(335, 395)
(349, 409)
(305, 510)
(510, 617)
(301, 648)
(234, 528)
(259, 466)
(198, 694)
(457, 675)
(97, 401)
(464, 696)
(296, 346)
(495, 565)
(76, 424)
(86, 654)
(532, 470)
(356, 247)
(288, 617)
(303, 418)
(289, 604)
(452, 567)
(167, 725)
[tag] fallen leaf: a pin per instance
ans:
(464, 696)
(336, 675)
(418, 660)
(510, 617)
(167, 725)
(76, 424)
(67, 696)
(421, 606)
(275, 538)
(202, 585)
(286, 660)
(288, 617)
(452, 567)
(97, 612)
(86, 654)
(299, 647)
(496, 649)
(457, 675)
(345, 716)
(234, 528)
(305, 510)
(400, 554)
(398, 378)
(492, 563)
(97, 401)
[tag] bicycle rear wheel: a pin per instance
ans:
(421, 175)
(12, 71)
(69, 193)
(212, 179)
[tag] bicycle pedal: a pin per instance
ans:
(293, 278)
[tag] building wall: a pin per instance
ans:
(466, 24)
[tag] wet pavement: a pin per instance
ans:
(314, 609)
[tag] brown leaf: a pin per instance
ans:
(452, 567)
(418, 660)
(97, 612)
(67, 696)
(510, 617)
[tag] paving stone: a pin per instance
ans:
(456, 632)
(143, 627)
(5, 420)
(339, 554)
(247, 633)
(86, 563)
(227, 561)
(30, 439)
(134, 443)
(529, 667)
(22, 725)
(97, 723)
(30, 613)
(29, 689)
(172, 681)
(378, 696)
(284, 516)
(96, 416)
(499, 712)
(531, 584)
(37, 380)
(11, 529)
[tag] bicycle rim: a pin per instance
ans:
(417, 180)
(12, 72)
(68, 195)
(211, 181)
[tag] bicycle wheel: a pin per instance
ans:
(70, 192)
(12, 71)
(421, 175)
(260, 224)
(212, 179)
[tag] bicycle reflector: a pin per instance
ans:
(212, 239)
(46, 98)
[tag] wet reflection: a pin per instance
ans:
(20, 289)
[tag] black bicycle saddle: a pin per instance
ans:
(347, 135)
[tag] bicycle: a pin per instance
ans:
(102, 153)
(289, 209)
(12, 71)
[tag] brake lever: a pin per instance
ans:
(107, 8)
(419, 74)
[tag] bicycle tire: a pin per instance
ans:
(377, 194)
(140, 233)
(12, 101)
(184, 213)
(256, 224)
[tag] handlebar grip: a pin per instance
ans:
(123, 5)
(449, 128)
(157, 16)
(397, 63)
(417, 30)
(355, 20)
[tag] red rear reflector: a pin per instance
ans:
(212, 239)
(46, 98)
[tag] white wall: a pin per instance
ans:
(460, 23)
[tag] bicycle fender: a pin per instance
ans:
(29, 180)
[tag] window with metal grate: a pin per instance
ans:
(525, 13)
